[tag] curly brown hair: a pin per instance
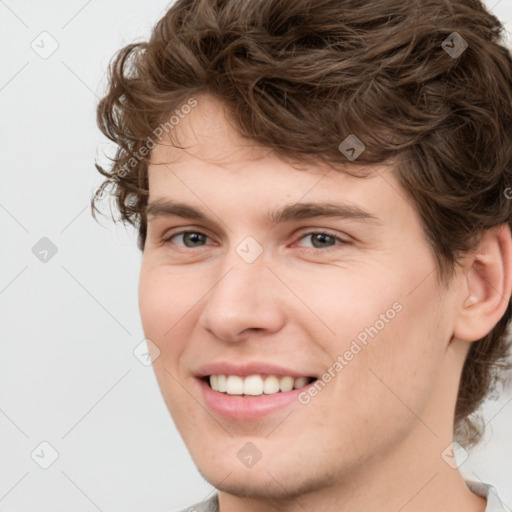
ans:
(425, 84)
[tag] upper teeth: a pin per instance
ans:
(255, 384)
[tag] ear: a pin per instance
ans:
(488, 285)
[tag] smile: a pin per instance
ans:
(256, 385)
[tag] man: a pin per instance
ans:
(322, 193)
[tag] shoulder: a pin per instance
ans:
(494, 504)
(210, 505)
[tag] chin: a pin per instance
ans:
(272, 479)
(257, 484)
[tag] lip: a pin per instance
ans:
(249, 368)
(238, 407)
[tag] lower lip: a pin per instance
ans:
(247, 407)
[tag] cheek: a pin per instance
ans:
(391, 340)
(405, 359)
(153, 304)
(164, 301)
(167, 302)
(347, 304)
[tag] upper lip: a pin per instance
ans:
(246, 369)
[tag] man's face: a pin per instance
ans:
(354, 296)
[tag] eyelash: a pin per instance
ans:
(310, 233)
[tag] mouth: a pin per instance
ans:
(255, 385)
(251, 390)
(252, 397)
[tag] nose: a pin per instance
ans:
(245, 300)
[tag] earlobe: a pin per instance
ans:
(488, 285)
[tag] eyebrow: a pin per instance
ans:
(286, 213)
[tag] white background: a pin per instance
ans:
(69, 326)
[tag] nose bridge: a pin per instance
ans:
(241, 297)
(244, 272)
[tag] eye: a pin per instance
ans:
(190, 239)
(320, 239)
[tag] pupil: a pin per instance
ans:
(322, 238)
(194, 238)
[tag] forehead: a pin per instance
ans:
(207, 133)
(204, 155)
